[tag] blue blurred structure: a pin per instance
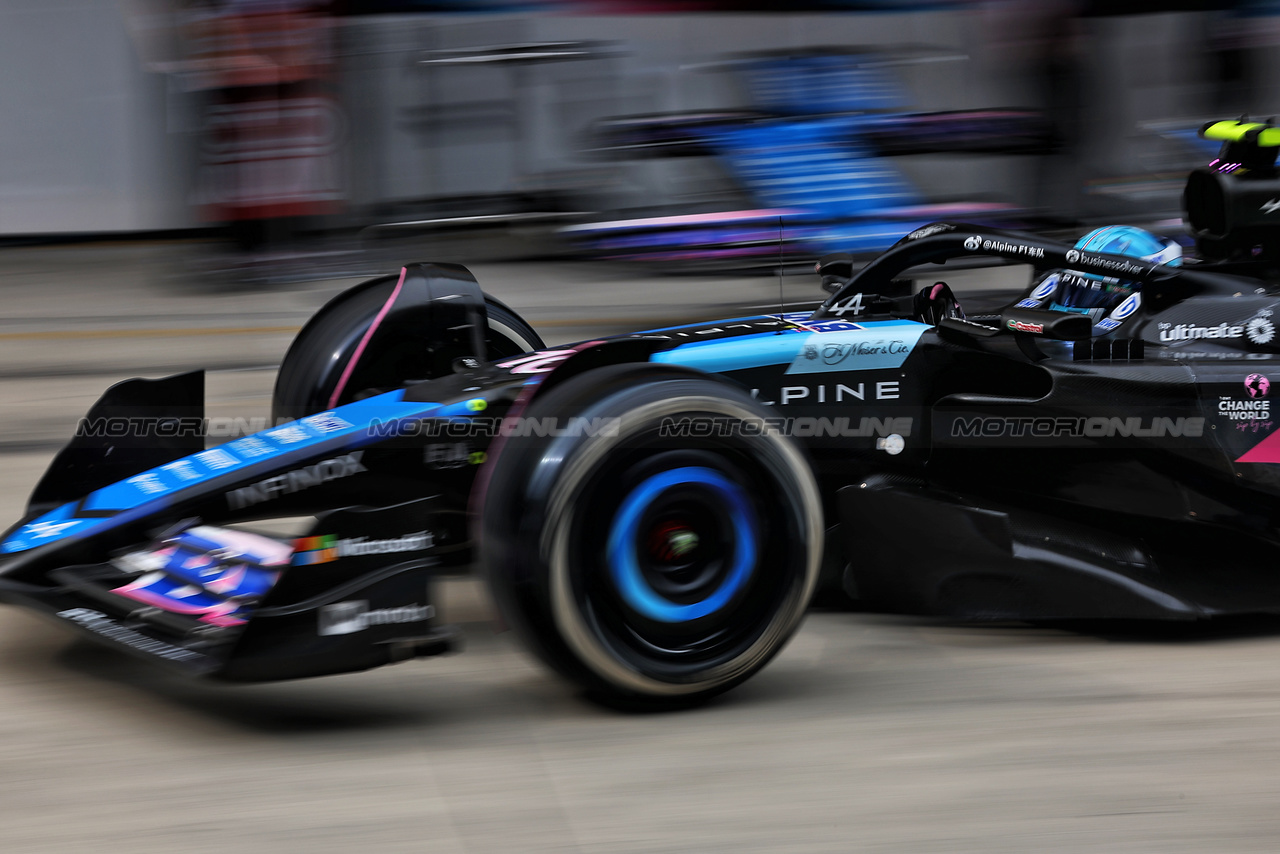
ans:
(811, 157)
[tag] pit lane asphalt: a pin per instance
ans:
(868, 733)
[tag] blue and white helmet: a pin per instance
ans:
(1083, 292)
(1134, 242)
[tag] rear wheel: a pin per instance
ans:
(654, 568)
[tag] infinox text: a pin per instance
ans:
(296, 480)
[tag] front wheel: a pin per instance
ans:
(663, 546)
(328, 365)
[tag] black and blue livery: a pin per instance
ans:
(654, 511)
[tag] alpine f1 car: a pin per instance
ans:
(653, 511)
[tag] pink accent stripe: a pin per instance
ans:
(1266, 451)
(716, 218)
(222, 620)
(164, 603)
(215, 614)
(373, 327)
(230, 581)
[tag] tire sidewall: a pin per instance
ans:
(537, 578)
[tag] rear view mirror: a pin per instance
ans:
(834, 270)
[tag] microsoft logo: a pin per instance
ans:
(312, 550)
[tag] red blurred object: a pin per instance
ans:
(269, 144)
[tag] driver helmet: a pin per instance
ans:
(1087, 293)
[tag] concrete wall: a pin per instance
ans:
(93, 141)
(84, 144)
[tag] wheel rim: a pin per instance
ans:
(678, 613)
(665, 547)
(651, 657)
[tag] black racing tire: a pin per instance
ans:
(655, 570)
(314, 363)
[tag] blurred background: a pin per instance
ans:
(182, 184)
(304, 138)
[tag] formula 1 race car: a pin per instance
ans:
(653, 511)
